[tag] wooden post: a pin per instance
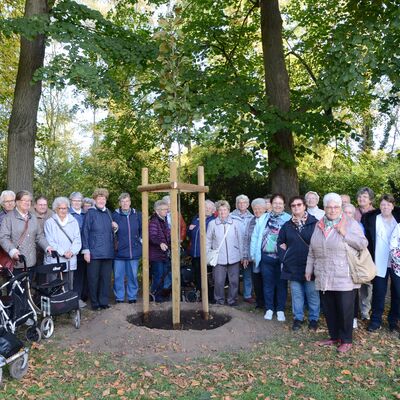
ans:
(145, 245)
(176, 265)
(203, 258)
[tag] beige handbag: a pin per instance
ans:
(362, 267)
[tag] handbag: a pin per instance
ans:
(362, 267)
(212, 254)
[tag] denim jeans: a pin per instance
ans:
(379, 295)
(247, 282)
(272, 283)
(301, 291)
(161, 277)
(128, 268)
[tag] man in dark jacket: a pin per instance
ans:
(128, 251)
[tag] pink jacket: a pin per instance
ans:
(327, 258)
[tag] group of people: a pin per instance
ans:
(272, 249)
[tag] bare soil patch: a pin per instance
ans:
(109, 331)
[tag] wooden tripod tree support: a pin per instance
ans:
(173, 188)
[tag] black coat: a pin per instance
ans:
(369, 222)
(294, 259)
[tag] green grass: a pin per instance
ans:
(291, 366)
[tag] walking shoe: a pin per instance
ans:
(355, 323)
(328, 342)
(393, 328)
(373, 328)
(132, 301)
(344, 347)
(119, 301)
(365, 317)
(281, 316)
(82, 304)
(313, 325)
(296, 325)
(268, 315)
(249, 300)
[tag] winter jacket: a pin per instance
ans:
(80, 217)
(327, 257)
(159, 232)
(11, 230)
(257, 236)
(231, 249)
(97, 234)
(129, 234)
(294, 258)
(59, 241)
(194, 235)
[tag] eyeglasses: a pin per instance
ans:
(9, 201)
(296, 205)
(63, 208)
(333, 208)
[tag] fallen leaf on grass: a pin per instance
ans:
(346, 372)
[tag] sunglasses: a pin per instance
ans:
(296, 205)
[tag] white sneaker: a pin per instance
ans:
(281, 316)
(268, 315)
(355, 324)
(29, 322)
(82, 304)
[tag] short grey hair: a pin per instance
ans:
(58, 201)
(353, 209)
(123, 196)
(160, 203)
(314, 193)
(211, 204)
(332, 197)
(167, 199)
(88, 200)
(6, 193)
(222, 203)
(76, 195)
(367, 190)
(258, 202)
(242, 197)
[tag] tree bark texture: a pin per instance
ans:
(283, 173)
(23, 121)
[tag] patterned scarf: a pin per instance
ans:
(327, 225)
(300, 222)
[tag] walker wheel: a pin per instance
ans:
(33, 334)
(19, 367)
(76, 318)
(47, 327)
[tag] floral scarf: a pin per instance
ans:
(327, 226)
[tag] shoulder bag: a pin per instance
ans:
(212, 254)
(362, 267)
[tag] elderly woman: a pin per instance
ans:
(312, 200)
(293, 244)
(20, 232)
(129, 250)
(259, 207)
(264, 252)
(224, 233)
(379, 225)
(64, 236)
(327, 260)
(87, 203)
(159, 251)
(7, 203)
(98, 249)
(242, 214)
(193, 234)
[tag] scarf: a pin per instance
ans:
(327, 225)
(270, 234)
(300, 222)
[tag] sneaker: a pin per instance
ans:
(29, 322)
(281, 316)
(313, 325)
(82, 304)
(355, 323)
(365, 317)
(268, 315)
(297, 325)
(119, 301)
(344, 347)
(132, 301)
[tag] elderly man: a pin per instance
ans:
(312, 199)
(42, 213)
(242, 214)
(7, 202)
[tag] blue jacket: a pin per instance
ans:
(97, 234)
(294, 259)
(79, 217)
(129, 234)
(194, 235)
(256, 237)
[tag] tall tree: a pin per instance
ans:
(23, 121)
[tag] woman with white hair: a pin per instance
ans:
(63, 234)
(7, 203)
(312, 200)
(327, 261)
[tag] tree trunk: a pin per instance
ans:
(283, 175)
(23, 120)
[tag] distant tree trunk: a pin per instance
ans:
(23, 120)
(283, 175)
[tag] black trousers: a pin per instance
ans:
(339, 314)
(80, 278)
(99, 278)
(258, 289)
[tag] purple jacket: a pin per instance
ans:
(159, 232)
